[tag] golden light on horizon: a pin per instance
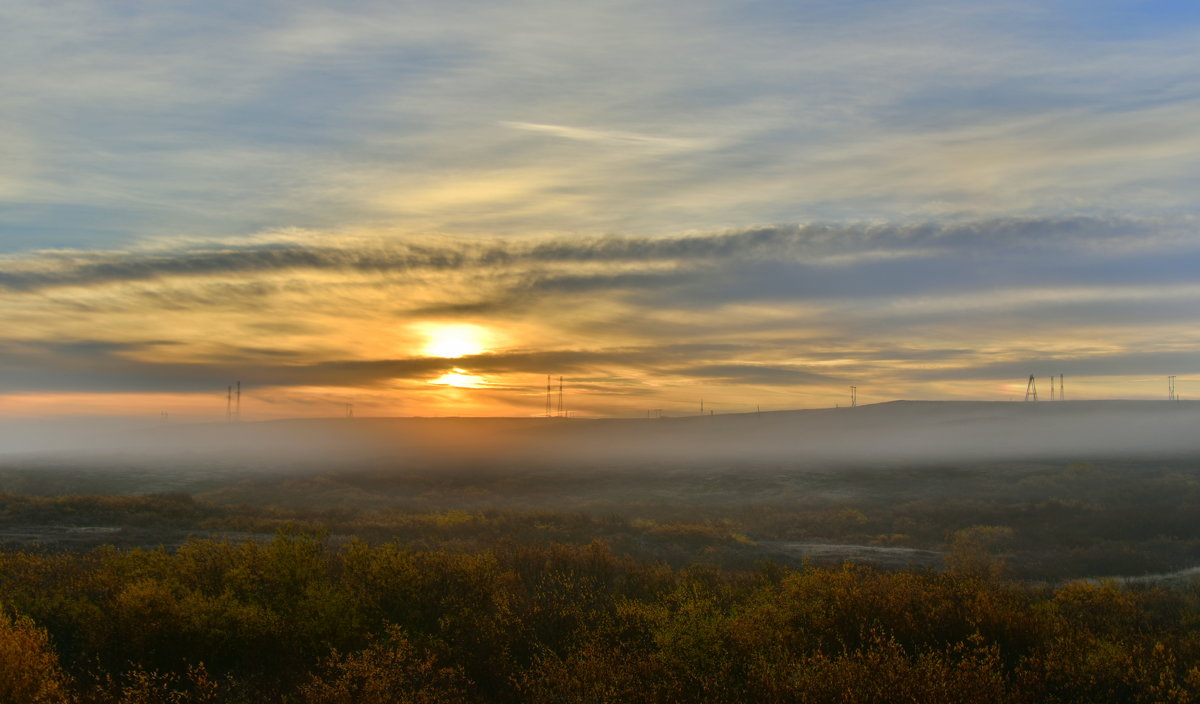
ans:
(459, 378)
(453, 340)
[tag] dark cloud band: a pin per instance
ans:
(806, 243)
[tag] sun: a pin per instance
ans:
(459, 378)
(453, 340)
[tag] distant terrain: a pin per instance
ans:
(940, 552)
(1086, 488)
(895, 432)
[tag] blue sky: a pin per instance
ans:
(950, 173)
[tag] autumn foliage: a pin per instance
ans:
(302, 618)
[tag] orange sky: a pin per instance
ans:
(768, 318)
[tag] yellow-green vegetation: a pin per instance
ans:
(29, 669)
(303, 618)
(560, 586)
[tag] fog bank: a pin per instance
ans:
(903, 432)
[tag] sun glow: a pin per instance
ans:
(459, 378)
(450, 341)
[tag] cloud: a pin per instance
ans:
(818, 246)
(799, 304)
(706, 317)
(1128, 363)
(612, 138)
(537, 116)
(756, 374)
(97, 365)
(691, 194)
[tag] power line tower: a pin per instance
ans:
(1062, 395)
(229, 403)
(1051, 387)
(548, 407)
(1171, 395)
(853, 396)
(560, 397)
(1031, 389)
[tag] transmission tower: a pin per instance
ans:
(560, 398)
(548, 407)
(1031, 390)
(1171, 395)
(1062, 395)
(853, 396)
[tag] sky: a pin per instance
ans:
(403, 208)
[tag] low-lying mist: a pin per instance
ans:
(902, 432)
(1055, 490)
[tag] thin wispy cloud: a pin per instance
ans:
(912, 193)
(482, 119)
(819, 246)
(615, 139)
